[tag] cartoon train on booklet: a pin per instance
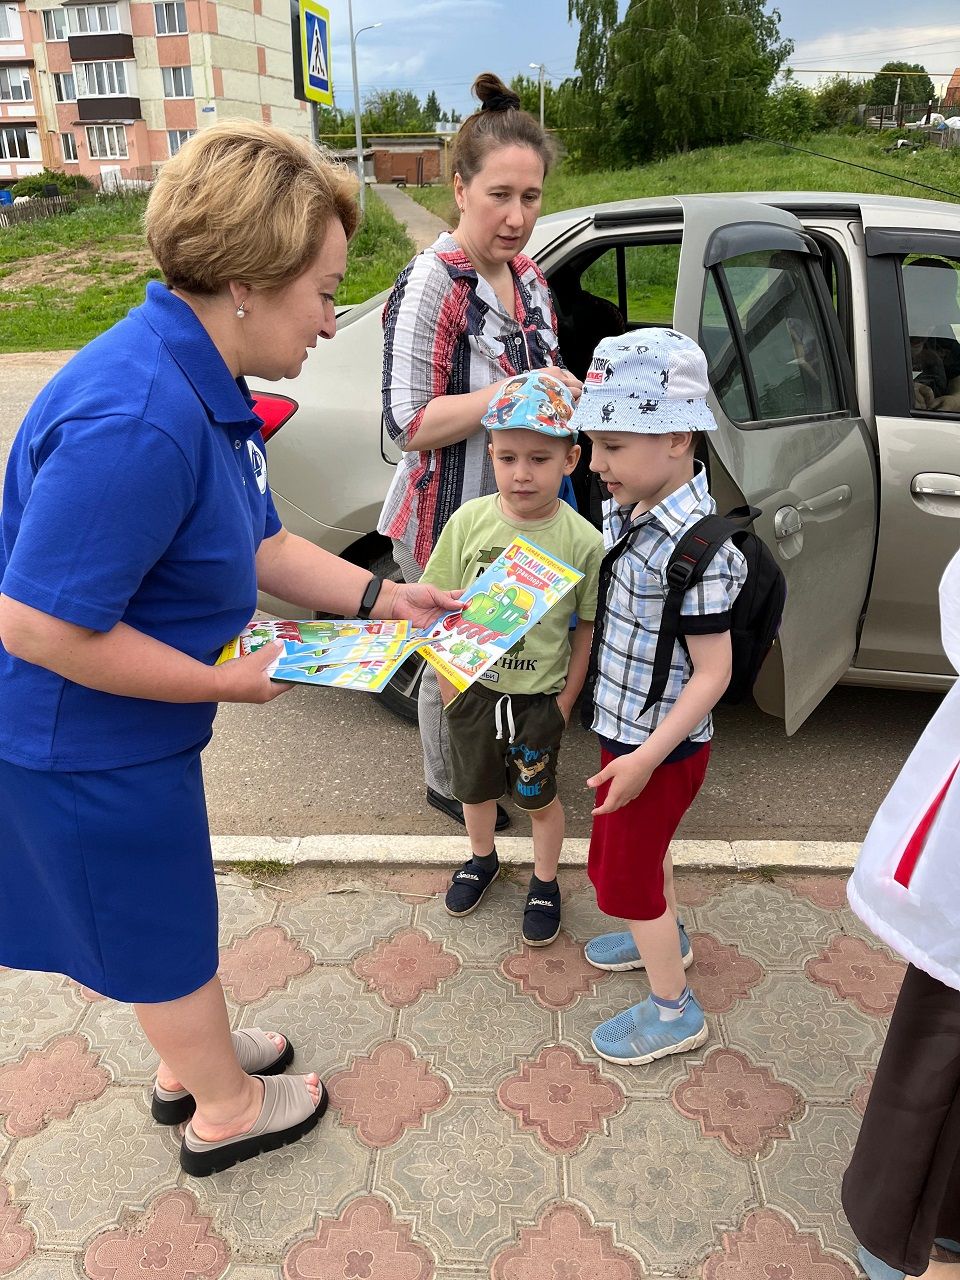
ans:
(492, 614)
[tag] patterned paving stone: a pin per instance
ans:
(856, 971)
(554, 976)
(259, 1205)
(47, 1266)
(261, 962)
(241, 909)
(741, 1104)
(663, 1185)
(49, 1083)
(824, 891)
(861, 1094)
(328, 1016)
(467, 1180)
(695, 888)
(720, 974)
(115, 1036)
(338, 926)
(560, 1098)
(619, 992)
(476, 1029)
(809, 1038)
(365, 1242)
(803, 1176)
(483, 937)
(386, 1093)
(400, 969)
(16, 1240)
(767, 922)
(169, 1237)
(583, 919)
(768, 1247)
(79, 1174)
(36, 1007)
(564, 1245)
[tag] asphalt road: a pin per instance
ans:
(319, 761)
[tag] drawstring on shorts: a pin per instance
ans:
(498, 718)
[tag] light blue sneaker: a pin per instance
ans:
(639, 1035)
(618, 951)
(877, 1270)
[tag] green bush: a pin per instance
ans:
(789, 113)
(67, 184)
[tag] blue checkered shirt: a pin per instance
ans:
(634, 607)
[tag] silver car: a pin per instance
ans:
(831, 322)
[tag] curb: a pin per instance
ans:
(391, 850)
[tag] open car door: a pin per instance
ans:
(790, 438)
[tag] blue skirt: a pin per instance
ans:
(107, 876)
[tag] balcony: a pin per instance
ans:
(115, 46)
(107, 110)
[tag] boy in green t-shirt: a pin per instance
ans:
(508, 724)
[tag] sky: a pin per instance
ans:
(444, 44)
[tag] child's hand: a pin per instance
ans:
(627, 775)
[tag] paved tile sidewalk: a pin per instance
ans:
(472, 1133)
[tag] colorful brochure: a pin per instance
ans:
(498, 609)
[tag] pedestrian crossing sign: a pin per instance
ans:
(315, 52)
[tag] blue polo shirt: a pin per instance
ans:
(136, 492)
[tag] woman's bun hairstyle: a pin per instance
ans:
(498, 123)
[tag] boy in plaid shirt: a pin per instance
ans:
(643, 404)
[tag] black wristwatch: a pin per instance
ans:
(370, 597)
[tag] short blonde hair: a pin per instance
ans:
(248, 202)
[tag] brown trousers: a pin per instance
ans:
(902, 1189)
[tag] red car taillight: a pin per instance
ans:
(273, 411)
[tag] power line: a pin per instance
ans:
(868, 168)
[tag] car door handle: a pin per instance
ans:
(787, 523)
(935, 484)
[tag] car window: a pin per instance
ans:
(760, 309)
(642, 276)
(931, 294)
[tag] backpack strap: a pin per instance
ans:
(685, 568)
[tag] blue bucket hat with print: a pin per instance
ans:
(649, 381)
(534, 401)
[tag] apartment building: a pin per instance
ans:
(113, 90)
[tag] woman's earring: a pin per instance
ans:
(241, 311)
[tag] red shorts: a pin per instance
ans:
(627, 848)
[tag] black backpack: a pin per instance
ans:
(756, 612)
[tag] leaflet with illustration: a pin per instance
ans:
(497, 610)
(510, 596)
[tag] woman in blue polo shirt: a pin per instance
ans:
(136, 527)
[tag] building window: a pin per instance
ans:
(64, 88)
(178, 82)
(100, 79)
(15, 83)
(107, 142)
(92, 19)
(55, 24)
(14, 144)
(171, 19)
(68, 145)
(177, 137)
(4, 24)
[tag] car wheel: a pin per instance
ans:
(400, 695)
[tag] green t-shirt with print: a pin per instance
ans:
(472, 539)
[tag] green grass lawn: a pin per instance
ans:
(65, 279)
(748, 166)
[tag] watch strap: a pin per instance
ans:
(370, 595)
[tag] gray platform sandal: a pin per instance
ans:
(288, 1112)
(257, 1055)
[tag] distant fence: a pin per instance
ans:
(885, 116)
(15, 215)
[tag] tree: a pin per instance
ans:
(527, 89)
(431, 109)
(789, 112)
(838, 100)
(688, 73)
(393, 111)
(582, 105)
(915, 85)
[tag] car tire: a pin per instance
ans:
(401, 694)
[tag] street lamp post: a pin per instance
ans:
(538, 66)
(356, 103)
